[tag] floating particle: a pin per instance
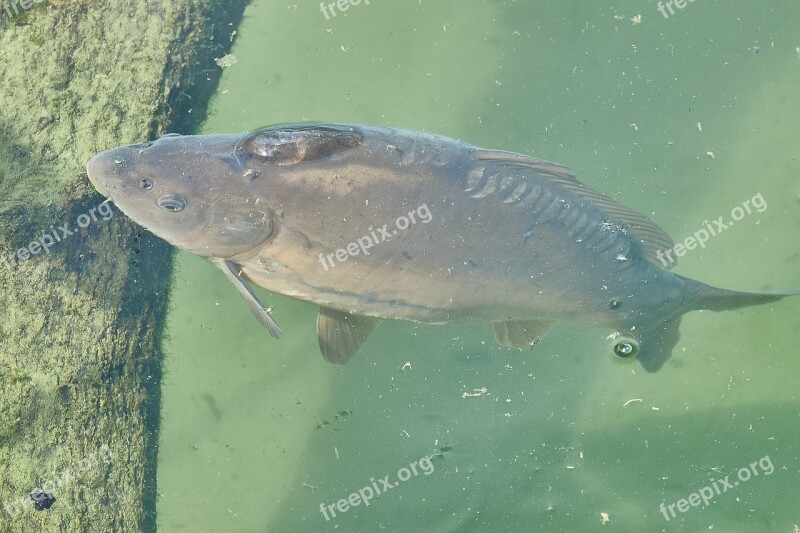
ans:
(475, 393)
(226, 61)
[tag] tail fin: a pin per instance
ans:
(706, 297)
(656, 343)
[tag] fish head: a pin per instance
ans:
(189, 191)
(216, 195)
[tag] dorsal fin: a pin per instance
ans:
(644, 232)
(523, 163)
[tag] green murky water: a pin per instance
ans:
(682, 118)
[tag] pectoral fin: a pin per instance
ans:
(521, 333)
(244, 289)
(342, 334)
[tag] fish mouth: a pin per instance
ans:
(98, 169)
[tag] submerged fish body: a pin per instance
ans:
(377, 223)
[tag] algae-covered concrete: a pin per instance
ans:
(82, 289)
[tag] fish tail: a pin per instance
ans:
(708, 298)
(658, 340)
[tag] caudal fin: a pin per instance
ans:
(711, 298)
(656, 343)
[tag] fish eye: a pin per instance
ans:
(146, 184)
(172, 203)
(626, 348)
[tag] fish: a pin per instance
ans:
(375, 223)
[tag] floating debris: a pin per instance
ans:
(42, 500)
(475, 393)
(226, 61)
